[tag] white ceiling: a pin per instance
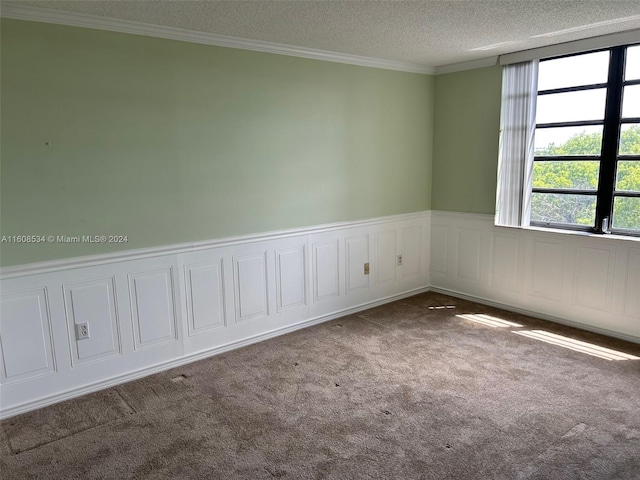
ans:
(429, 32)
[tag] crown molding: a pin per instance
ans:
(459, 67)
(47, 15)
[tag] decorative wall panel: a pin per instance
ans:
(326, 270)
(290, 278)
(205, 296)
(386, 261)
(152, 307)
(93, 303)
(411, 251)
(26, 342)
(357, 251)
(593, 276)
(250, 278)
(504, 266)
(469, 245)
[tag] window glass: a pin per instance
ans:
(628, 176)
(571, 106)
(573, 71)
(585, 140)
(572, 174)
(629, 139)
(626, 213)
(568, 174)
(631, 101)
(562, 208)
(632, 66)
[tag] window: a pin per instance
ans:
(580, 157)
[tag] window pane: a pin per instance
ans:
(573, 71)
(630, 139)
(632, 67)
(628, 176)
(631, 101)
(561, 208)
(567, 174)
(568, 141)
(626, 213)
(570, 106)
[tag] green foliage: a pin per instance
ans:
(580, 144)
(583, 175)
(630, 141)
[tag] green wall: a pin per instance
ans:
(169, 142)
(465, 140)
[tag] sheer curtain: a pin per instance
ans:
(515, 158)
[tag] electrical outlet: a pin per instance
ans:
(366, 268)
(399, 260)
(82, 331)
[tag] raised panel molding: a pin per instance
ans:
(411, 251)
(250, 282)
(504, 265)
(546, 269)
(290, 278)
(593, 277)
(385, 245)
(439, 252)
(26, 344)
(326, 270)
(632, 292)
(152, 309)
(92, 302)
(204, 285)
(587, 281)
(469, 248)
(357, 252)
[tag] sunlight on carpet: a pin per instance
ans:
(577, 345)
(488, 320)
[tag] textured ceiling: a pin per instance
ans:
(429, 32)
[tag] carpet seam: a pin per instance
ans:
(68, 436)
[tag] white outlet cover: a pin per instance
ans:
(82, 331)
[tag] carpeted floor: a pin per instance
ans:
(401, 391)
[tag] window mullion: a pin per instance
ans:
(611, 136)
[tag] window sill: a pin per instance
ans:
(594, 236)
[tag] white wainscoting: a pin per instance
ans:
(153, 309)
(586, 281)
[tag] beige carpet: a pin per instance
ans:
(402, 391)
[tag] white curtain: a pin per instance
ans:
(515, 158)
